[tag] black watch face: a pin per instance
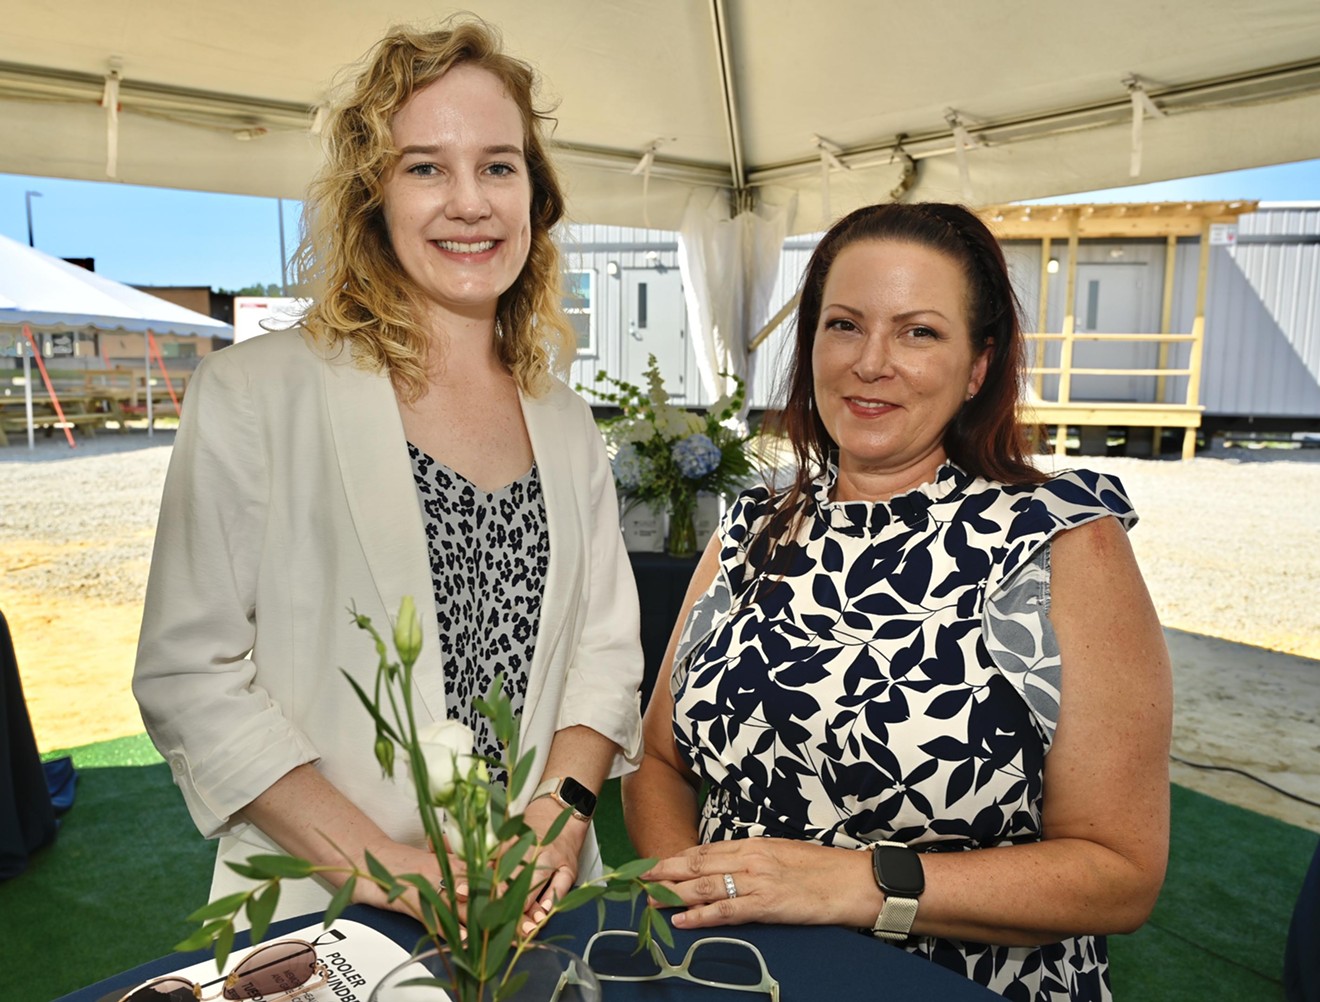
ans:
(898, 871)
(577, 796)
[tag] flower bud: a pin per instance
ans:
(385, 755)
(408, 632)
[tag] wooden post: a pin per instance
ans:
(772, 323)
(1198, 336)
(1166, 327)
(1042, 312)
(1069, 324)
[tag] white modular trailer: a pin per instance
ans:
(625, 296)
(1261, 364)
(1262, 343)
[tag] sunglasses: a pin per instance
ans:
(717, 961)
(273, 971)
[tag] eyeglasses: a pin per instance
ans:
(273, 971)
(717, 961)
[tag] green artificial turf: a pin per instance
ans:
(116, 887)
(1219, 928)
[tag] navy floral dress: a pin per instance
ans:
(894, 677)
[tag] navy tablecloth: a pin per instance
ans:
(810, 962)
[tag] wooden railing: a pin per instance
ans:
(1157, 414)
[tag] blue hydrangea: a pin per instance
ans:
(629, 467)
(696, 455)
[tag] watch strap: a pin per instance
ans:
(895, 918)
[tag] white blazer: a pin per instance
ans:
(289, 499)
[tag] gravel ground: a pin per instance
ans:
(1229, 542)
(86, 516)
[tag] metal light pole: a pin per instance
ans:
(284, 268)
(27, 198)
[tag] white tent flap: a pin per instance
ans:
(729, 266)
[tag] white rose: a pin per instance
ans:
(446, 747)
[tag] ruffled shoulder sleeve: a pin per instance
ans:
(1015, 619)
(1037, 512)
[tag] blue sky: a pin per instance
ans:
(159, 236)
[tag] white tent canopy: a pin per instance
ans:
(770, 103)
(48, 294)
(43, 293)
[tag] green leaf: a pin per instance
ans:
(666, 896)
(260, 908)
(379, 873)
(202, 938)
(342, 899)
(512, 827)
(224, 944)
(501, 940)
(510, 987)
(448, 923)
(274, 866)
(557, 826)
(579, 896)
(220, 907)
(660, 926)
(243, 870)
(382, 724)
(644, 928)
(632, 870)
(495, 912)
(513, 857)
(518, 778)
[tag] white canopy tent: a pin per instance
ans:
(684, 114)
(43, 293)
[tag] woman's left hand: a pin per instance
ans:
(556, 864)
(768, 880)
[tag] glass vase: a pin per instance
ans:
(682, 538)
(542, 973)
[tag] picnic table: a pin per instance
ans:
(88, 400)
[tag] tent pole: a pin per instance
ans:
(146, 379)
(27, 392)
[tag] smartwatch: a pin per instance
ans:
(899, 875)
(568, 792)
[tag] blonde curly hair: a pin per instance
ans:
(361, 296)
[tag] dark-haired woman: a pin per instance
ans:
(924, 686)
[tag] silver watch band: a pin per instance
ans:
(895, 918)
